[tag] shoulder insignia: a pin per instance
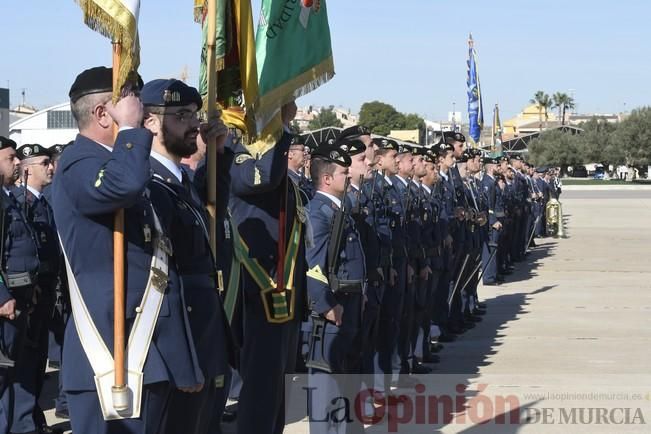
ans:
(98, 181)
(241, 158)
(317, 274)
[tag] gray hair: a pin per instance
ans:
(82, 109)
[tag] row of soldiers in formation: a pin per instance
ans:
(391, 261)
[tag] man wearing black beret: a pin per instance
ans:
(99, 175)
(36, 173)
(336, 290)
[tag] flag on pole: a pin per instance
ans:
(117, 20)
(293, 53)
(475, 107)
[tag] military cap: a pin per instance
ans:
(32, 150)
(516, 157)
(383, 143)
(58, 149)
(465, 156)
(453, 136)
(475, 152)
(331, 152)
(297, 140)
(169, 93)
(418, 150)
(6, 143)
(404, 149)
(430, 156)
(543, 169)
(352, 147)
(94, 80)
(442, 148)
(354, 132)
(490, 160)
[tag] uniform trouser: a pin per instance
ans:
(456, 305)
(55, 354)
(86, 414)
(516, 240)
(268, 354)
(471, 275)
(441, 308)
(390, 315)
(370, 327)
(407, 323)
(197, 413)
(424, 312)
(489, 256)
(504, 246)
(341, 355)
(11, 343)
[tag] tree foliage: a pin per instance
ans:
(326, 118)
(634, 136)
(381, 118)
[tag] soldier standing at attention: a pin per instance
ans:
(37, 169)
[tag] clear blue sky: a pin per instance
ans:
(409, 53)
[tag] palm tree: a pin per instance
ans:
(562, 102)
(544, 103)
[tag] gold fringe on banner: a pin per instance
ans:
(113, 20)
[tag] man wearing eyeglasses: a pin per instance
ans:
(171, 115)
(36, 171)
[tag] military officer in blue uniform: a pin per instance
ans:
(489, 187)
(362, 212)
(97, 176)
(171, 114)
(297, 156)
(18, 286)
(335, 282)
(266, 204)
(37, 171)
(451, 219)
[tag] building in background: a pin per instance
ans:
(48, 127)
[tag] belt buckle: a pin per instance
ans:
(158, 279)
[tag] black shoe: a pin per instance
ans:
(447, 337)
(431, 358)
(481, 305)
(479, 312)
(229, 416)
(435, 348)
(457, 329)
(491, 283)
(419, 368)
(44, 429)
(62, 414)
(471, 318)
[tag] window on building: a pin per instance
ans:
(60, 119)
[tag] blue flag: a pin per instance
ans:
(475, 108)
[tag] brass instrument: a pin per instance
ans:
(554, 218)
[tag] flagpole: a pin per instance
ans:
(211, 112)
(119, 390)
(493, 129)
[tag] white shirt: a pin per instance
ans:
(402, 180)
(169, 165)
(335, 199)
(443, 175)
(110, 148)
(36, 193)
(387, 179)
(5, 190)
(427, 189)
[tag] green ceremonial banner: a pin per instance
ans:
(293, 52)
(223, 15)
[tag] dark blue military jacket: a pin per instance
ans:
(375, 190)
(351, 263)
(183, 217)
(489, 187)
(41, 217)
(20, 243)
(257, 187)
(92, 183)
(361, 211)
(396, 209)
